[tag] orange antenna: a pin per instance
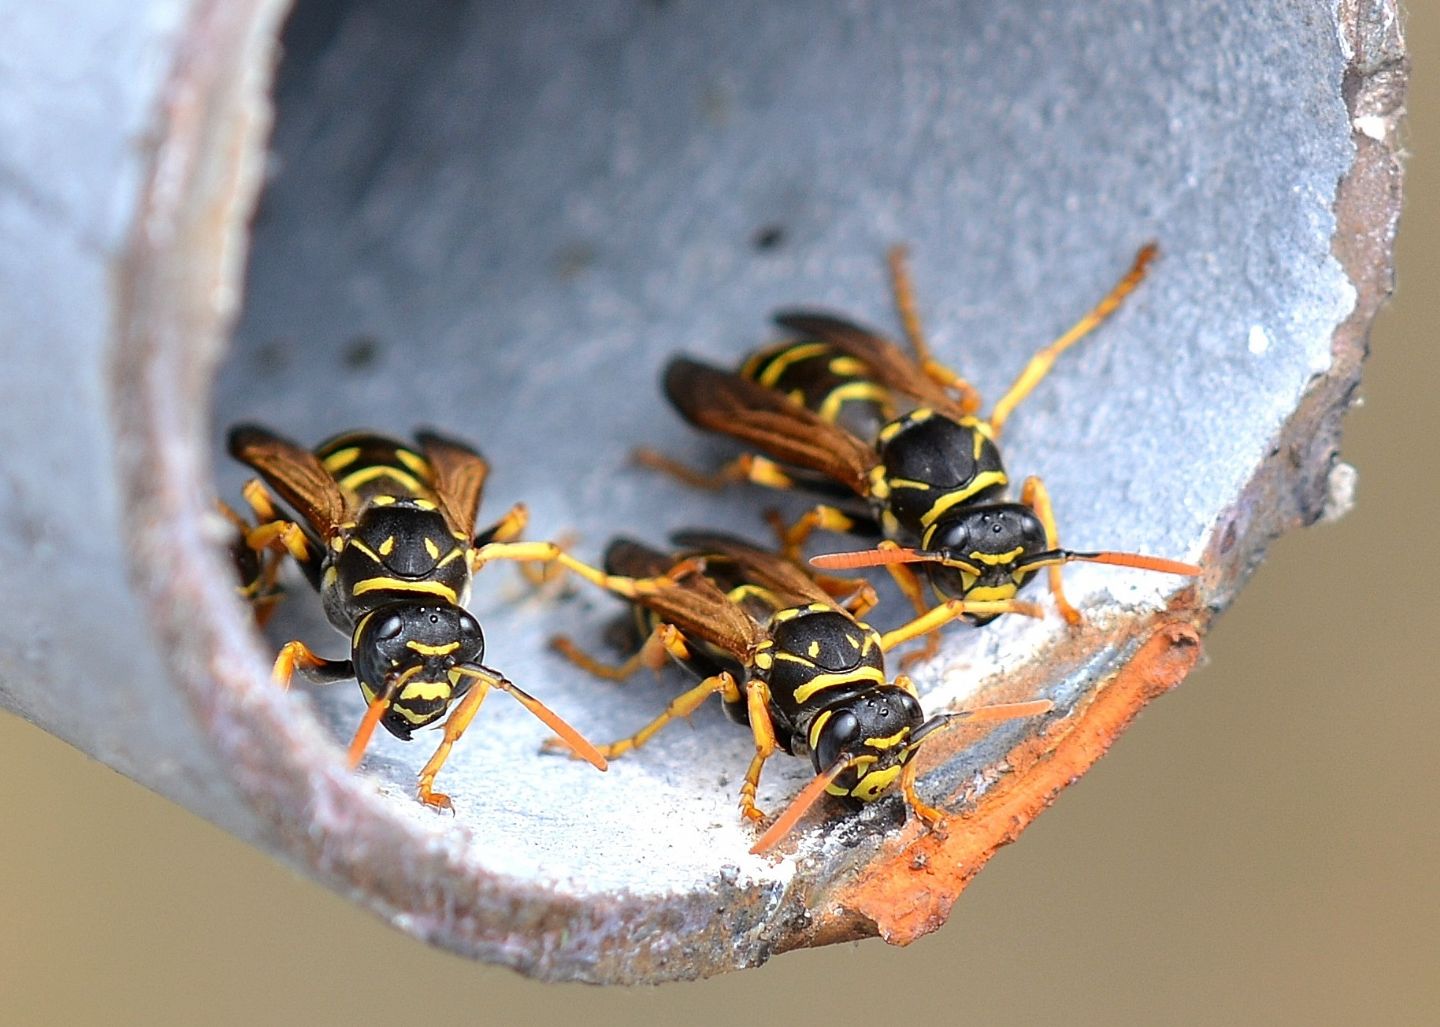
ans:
(376, 710)
(871, 558)
(1139, 560)
(567, 734)
(809, 795)
(981, 715)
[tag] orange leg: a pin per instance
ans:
(745, 467)
(1034, 495)
(1040, 364)
(904, 289)
(663, 642)
(792, 537)
(297, 656)
(683, 705)
(757, 701)
(934, 818)
(931, 622)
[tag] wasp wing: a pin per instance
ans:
(694, 603)
(295, 473)
(724, 402)
(762, 567)
(460, 474)
(890, 365)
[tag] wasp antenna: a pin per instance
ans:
(1137, 560)
(981, 715)
(799, 806)
(578, 743)
(871, 558)
(376, 710)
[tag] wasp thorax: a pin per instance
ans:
(827, 640)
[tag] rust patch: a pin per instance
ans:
(908, 890)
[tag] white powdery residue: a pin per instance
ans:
(1373, 125)
(1259, 339)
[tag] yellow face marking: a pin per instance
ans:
(352, 481)
(388, 546)
(433, 650)
(889, 742)
(340, 459)
(820, 682)
(997, 593)
(425, 690)
(414, 718)
(417, 464)
(435, 588)
(431, 548)
(981, 481)
(998, 559)
(842, 394)
(786, 359)
(875, 784)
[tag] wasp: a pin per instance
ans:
(385, 533)
(896, 448)
(789, 656)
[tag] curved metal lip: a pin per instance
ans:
(336, 826)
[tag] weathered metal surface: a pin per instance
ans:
(501, 219)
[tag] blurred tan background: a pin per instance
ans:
(1261, 846)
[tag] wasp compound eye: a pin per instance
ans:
(839, 732)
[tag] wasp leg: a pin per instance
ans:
(686, 703)
(661, 643)
(455, 726)
(550, 553)
(262, 592)
(745, 467)
(1034, 495)
(855, 596)
(929, 623)
(297, 656)
(792, 537)
(757, 701)
(903, 287)
(506, 529)
(934, 818)
(1040, 364)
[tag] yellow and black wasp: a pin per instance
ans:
(789, 656)
(384, 534)
(897, 449)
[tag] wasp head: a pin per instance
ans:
(415, 649)
(872, 733)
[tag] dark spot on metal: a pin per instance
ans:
(769, 237)
(361, 352)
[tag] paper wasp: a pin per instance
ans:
(789, 656)
(896, 448)
(384, 534)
